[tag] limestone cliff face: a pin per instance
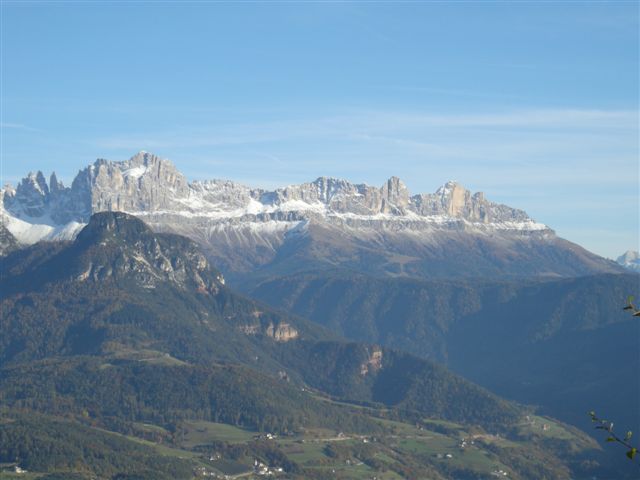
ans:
(147, 184)
(341, 196)
(144, 183)
(456, 201)
(373, 363)
(453, 200)
(332, 221)
(282, 332)
(395, 196)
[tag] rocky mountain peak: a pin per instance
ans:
(629, 256)
(54, 184)
(630, 260)
(454, 198)
(122, 247)
(448, 186)
(395, 196)
(328, 187)
(451, 189)
(113, 225)
(145, 182)
(38, 182)
(30, 196)
(144, 158)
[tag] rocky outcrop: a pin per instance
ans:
(8, 242)
(119, 246)
(453, 200)
(373, 362)
(282, 332)
(144, 183)
(31, 197)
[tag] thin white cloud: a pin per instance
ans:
(449, 91)
(548, 118)
(17, 126)
(370, 124)
(11, 125)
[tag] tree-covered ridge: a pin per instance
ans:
(416, 387)
(555, 343)
(113, 391)
(42, 443)
(416, 315)
(172, 301)
(116, 315)
(123, 326)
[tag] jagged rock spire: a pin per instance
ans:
(54, 184)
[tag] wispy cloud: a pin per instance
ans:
(448, 91)
(568, 118)
(525, 147)
(17, 126)
(370, 125)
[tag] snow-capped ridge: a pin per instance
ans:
(150, 186)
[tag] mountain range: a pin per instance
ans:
(449, 277)
(318, 225)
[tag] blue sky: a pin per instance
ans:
(534, 103)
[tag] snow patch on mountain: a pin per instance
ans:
(27, 233)
(135, 172)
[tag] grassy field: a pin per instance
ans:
(119, 351)
(308, 453)
(547, 428)
(199, 432)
